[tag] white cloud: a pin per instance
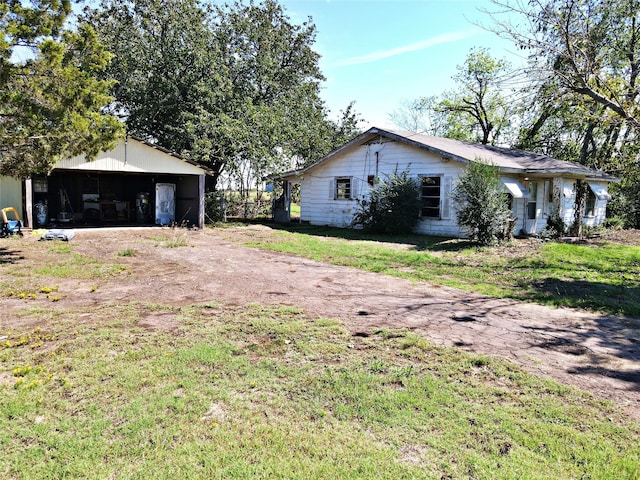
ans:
(413, 47)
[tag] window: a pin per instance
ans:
(430, 195)
(40, 185)
(590, 204)
(532, 205)
(343, 188)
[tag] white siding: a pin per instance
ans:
(568, 202)
(132, 156)
(318, 206)
(518, 210)
(11, 194)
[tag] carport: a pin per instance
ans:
(136, 183)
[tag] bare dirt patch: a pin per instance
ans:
(597, 353)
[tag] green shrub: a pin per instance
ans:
(625, 203)
(214, 206)
(555, 227)
(614, 223)
(393, 205)
(482, 210)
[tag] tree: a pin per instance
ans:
(590, 47)
(584, 67)
(476, 111)
(52, 104)
(482, 210)
(165, 64)
(230, 86)
(393, 205)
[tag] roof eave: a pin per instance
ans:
(375, 131)
(207, 170)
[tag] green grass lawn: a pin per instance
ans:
(208, 391)
(266, 392)
(601, 277)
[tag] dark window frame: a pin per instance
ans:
(532, 202)
(431, 196)
(590, 204)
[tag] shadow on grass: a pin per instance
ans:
(595, 296)
(9, 256)
(419, 242)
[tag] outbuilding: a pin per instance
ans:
(536, 186)
(136, 183)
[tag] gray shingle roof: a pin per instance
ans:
(507, 159)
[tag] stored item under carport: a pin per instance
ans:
(10, 227)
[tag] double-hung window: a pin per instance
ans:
(343, 188)
(430, 195)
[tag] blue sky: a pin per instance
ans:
(379, 52)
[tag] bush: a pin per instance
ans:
(482, 210)
(626, 202)
(555, 227)
(214, 207)
(393, 205)
(614, 223)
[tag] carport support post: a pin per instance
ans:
(201, 182)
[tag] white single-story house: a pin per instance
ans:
(136, 183)
(536, 185)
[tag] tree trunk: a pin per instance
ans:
(578, 213)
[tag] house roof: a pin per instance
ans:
(134, 155)
(507, 159)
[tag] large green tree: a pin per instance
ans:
(164, 64)
(51, 103)
(585, 62)
(234, 87)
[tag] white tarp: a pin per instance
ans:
(515, 188)
(64, 235)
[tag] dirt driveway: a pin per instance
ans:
(597, 353)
